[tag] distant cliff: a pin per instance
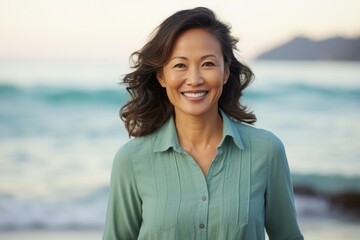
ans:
(300, 48)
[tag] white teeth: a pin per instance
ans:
(194, 95)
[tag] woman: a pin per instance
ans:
(196, 169)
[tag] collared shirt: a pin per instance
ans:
(157, 190)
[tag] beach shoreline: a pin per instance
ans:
(51, 234)
(312, 228)
(329, 228)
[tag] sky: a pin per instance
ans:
(113, 29)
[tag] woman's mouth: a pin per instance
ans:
(194, 94)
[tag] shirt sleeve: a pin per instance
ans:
(280, 213)
(123, 218)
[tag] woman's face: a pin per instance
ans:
(195, 73)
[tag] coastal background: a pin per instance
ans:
(59, 103)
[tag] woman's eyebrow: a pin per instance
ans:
(209, 56)
(203, 57)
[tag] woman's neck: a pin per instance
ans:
(199, 132)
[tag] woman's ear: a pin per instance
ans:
(226, 74)
(160, 78)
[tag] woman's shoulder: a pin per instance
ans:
(262, 142)
(255, 134)
(134, 145)
(137, 148)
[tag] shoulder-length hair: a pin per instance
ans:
(149, 107)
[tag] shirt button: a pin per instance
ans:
(202, 226)
(203, 198)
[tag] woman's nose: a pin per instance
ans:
(194, 77)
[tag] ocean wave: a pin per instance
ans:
(85, 212)
(327, 184)
(304, 90)
(63, 94)
(8, 89)
(88, 211)
(119, 95)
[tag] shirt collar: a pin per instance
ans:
(166, 136)
(231, 130)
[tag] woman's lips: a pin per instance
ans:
(194, 95)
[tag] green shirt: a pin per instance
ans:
(157, 190)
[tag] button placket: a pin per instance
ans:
(216, 164)
(203, 205)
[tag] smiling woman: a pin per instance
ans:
(150, 107)
(195, 74)
(194, 78)
(194, 170)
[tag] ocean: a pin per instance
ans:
(60, 128)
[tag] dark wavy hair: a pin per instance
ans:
(149, 107)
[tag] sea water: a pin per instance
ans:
(60, 128)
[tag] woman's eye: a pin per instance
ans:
(209, 64)
(180, 65)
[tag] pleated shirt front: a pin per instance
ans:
(158, 191)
